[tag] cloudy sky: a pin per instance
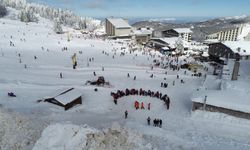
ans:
(154, 8)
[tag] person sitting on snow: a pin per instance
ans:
(11, 94)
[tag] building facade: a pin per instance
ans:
(143, 35)
(117, 27)
(184, 33)
(226, 34)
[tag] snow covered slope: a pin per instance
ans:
(72, 137)
(41, 77)
(17, 131)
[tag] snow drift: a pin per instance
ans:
(73, 137)
(17, 132)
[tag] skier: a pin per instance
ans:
(165, 85)
(126, 114)
(148, 121)
(160, 123)
(154, 122)
(128, 75)
(167, 103)
(94, 73)
(61, 76)
(134, 77)
(182, 81)
(149, 106)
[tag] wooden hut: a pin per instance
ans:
(66, 98)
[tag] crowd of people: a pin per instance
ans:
(141, 92)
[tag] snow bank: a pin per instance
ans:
(219, 117)
(73, 137)
(17, 132)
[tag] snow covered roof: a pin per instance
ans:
(171, 42)
(228, 99)
(165, 48)
(241, 47)
(143, 31)
(183, 30)
(67, 96)
(211, 41)
(205, 54)
(119, 23)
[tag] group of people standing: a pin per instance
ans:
(156, 122)
(137, 105)
(141, 92)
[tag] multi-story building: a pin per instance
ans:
(184, 33)
(143, 35)
(224, 34)
(117, 27)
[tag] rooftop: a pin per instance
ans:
(241, 47)
(183, 30)
(66, 96)
(143, 31)
(119, 22)
(228, 99)
(170, 41)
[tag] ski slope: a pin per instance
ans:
(180, 130)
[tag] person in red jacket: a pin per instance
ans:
(142, 105)
(136, 105)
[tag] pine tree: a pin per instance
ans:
(3, 11)
(57, 26)
(179, 45)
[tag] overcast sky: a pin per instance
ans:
(154, 8)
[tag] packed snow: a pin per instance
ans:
(31, 59)
(84, 137)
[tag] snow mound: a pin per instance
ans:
(74, 137)
(17, 132)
